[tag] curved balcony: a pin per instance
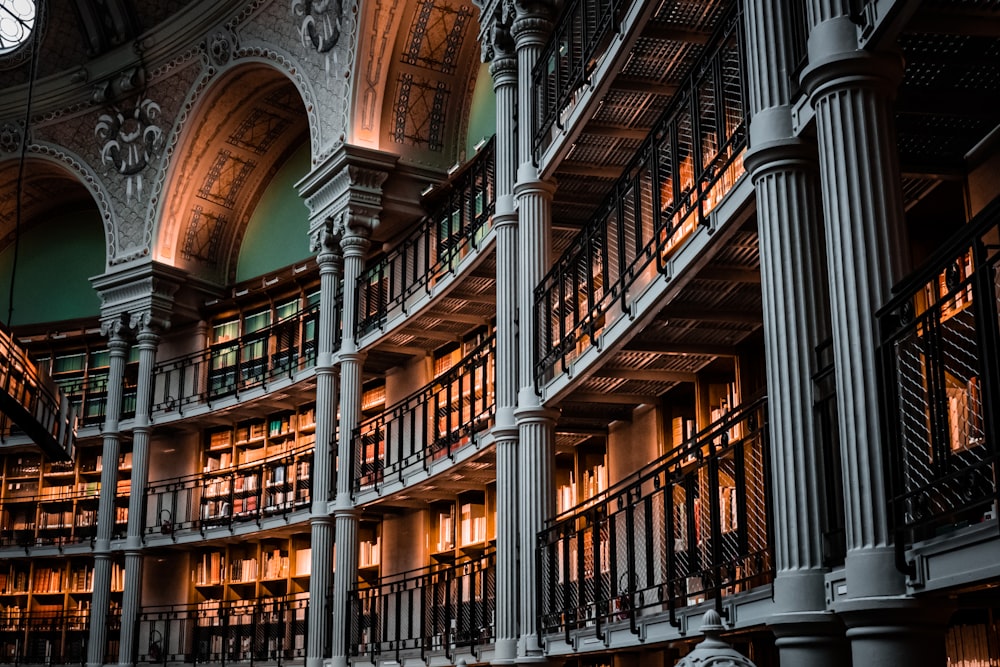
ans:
(56, 637)
(939, 372)
(434, 423)
(691, 527)
(227, 371)
(252, 494)
(32, 404)
(442, 244)
(658, 211)
(427, 611)
(269, 629)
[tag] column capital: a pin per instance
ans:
(144, 294)
(117, 330)
(355, 240)
(835, 64)
(532, 22)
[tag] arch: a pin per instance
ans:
(414, 79)
(61, 242)
(238, 127)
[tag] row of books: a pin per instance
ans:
(370, 553)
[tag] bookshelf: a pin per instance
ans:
(55, 503)
(463, 527)
(581, 474)
(258, 466)
(45, 603)
(369, 551)
(272, 567)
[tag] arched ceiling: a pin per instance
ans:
(46, 188)
(417, 67)
(245, 127)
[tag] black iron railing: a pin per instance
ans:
(43, 637)
(691, 160)
(581, 35)
(432, 423)
(250, 491)
(692, 526)
(60, 516)
(433, 610)
(31, 403)
(939, 364)
(434, 249)
(247, 362)
(268, 629)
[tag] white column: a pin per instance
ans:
(321, 523)
(795, 308)
(116, 331)
(504, 70)
(850, 90)
(536, 425)
(862, 206)
(132, 592)
(354, 244)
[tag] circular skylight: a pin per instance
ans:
(17, 18)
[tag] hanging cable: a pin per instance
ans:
(32, 75)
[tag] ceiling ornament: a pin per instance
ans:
(320, 27)
(10, 138)
(129, 139)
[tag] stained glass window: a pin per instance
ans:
(17, 18)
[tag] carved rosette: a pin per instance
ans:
(130, 137)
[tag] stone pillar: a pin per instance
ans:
(132, 592)
(504, 70)
(321, 523)
(354, 243)
(785, 176)
(116, 330)
(536, 425)
(850, 91)
(862, 206)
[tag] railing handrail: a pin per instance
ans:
(237, 342)
(426, 571)
(691, 446)
(903, 290)
(442, 380)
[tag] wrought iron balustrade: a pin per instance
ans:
(582, 34)
(692, 526)
(267, 629)
(31, 403)
(939, 378)
(58, 516)
(690, 161)
(435, 609)
(43, 637)
(434, 249)
(432, 423)
(252, 491)
(247, 362)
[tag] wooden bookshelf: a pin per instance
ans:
(271, 567)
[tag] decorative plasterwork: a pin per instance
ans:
(436, 36)
(130, 139)
(139, 295)
(420, 111)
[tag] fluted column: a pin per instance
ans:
(850, 90)
(504, 70)
(536, 425)
(132, 593)
(354, 244)
(794, 295)
(116, 331)
(862, 204)
(321, 523)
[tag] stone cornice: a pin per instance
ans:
(345, 191)
(142, 295)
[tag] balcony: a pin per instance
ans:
(434, 423)
(442, 610)
(939, 374)
(403, 280)
(680, 174)
(229, 369)
(692, 527)
(250, 494)
(30, 403)
(243, 631)
(44, 637)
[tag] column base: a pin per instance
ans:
(810, 640)
(896, 632)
